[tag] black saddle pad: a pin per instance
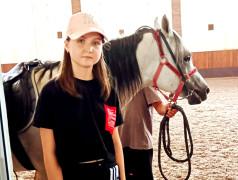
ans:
(20, 95)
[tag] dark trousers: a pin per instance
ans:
(91, 171)
(138, 164)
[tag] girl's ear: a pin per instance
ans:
(66, 45)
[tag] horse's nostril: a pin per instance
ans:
(208, 90)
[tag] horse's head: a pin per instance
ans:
(174, 54)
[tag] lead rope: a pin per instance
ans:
(164, 130)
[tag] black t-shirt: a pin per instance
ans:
(82, 126)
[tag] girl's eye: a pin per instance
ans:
(97, 43)
(81, 41)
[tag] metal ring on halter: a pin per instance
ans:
(172, 103)
(190, 93)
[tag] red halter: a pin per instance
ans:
(172, 97)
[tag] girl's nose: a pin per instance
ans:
(89, 48)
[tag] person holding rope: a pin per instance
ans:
(136, 133)
(78, 112)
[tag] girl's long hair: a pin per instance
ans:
(67, 81)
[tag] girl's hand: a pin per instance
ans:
(171, 112)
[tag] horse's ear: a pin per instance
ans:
(156, 24)
(166, 27)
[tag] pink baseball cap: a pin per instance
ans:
(83, 23)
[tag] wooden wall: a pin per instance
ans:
(210, 64)
(217, 63)
(215, 59)
(7, 67)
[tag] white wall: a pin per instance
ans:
(197, 14)
(30, 26)
(29, 29)
(126, 14)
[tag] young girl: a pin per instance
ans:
(78, 113)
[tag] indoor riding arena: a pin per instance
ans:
(214, 130)
(210, 36)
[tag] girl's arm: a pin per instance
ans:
(161, 109)
(119, 153)
(53, 169)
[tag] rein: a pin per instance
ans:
(164, 125)
(164, 131)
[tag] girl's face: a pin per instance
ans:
(86, 50)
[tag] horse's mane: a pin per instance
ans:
(120, 57)
(48, 65)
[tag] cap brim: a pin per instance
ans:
(78, 34)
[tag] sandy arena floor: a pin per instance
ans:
(214, 129)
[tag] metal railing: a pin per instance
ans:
(6, 168)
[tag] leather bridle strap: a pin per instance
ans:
(180, 87)
(191, 73)
(172, 97)
(171, 52)
(184, 76)
(158, 41)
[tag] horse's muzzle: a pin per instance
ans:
(198, 96)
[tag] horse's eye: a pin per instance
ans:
(187, 58)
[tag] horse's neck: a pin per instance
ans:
(149, 59)
(122, 62)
